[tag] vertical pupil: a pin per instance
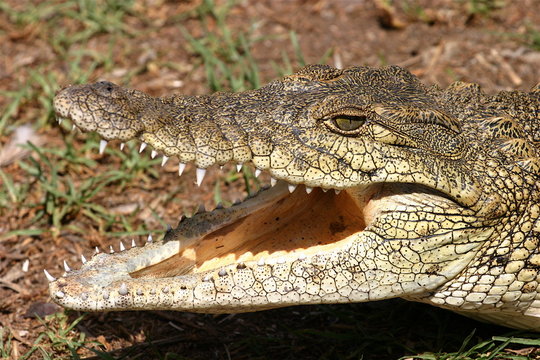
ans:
(349, 123)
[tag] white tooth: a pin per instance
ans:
(97, 250)
(83, 259)
(150, 239)
(49, 276)
(122, 146)
(123, 289)
(292, 187)
(181, 167)
(164, 160)
(133, 243)
(60, 119)
(153, 154)
(301, 257)
(273, 181)
(200, 176)
(111, 250)
(281, 260)
(337, 191)
(257, 172)
(73, 127)
(122, 247)
(25, 265)
(143, 146)
(239, 167)
(309, 189)
(261, 262)
(102, 146)
(66, 266)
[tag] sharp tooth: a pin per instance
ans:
(309, 189)
(49, 276)
(257, 172)
(201, 209)
(111, 250)
(122, 247)
(164, 160)
(143, 146)
(133, 243)
(150, 239)
(25, 265)
(97, 250)
(102, 146)
(273, 181)
(200, 176)
(153, 154)
(261, 262)
(222, 272)
(181, 167)
(122, 146)
(239, 167)
(337, 191)
(73, 127)
(66, 266)
(83, 259)
(301, 257)
(292, 187)
(60, 119)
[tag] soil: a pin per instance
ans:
(441, 41)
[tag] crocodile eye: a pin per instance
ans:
(346, 124)
(349, 123)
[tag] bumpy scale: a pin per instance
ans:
(436, 197)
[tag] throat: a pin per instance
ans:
(297, 224)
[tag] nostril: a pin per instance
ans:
(106, 85)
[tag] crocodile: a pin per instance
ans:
(433, 197)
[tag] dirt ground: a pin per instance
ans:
(493, 43)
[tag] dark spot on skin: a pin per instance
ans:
(277, 219)
(433, 270)
(500, 260)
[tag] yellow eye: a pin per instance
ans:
(349, 123)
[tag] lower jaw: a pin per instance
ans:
(282, 229)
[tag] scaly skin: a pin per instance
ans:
(439, 199)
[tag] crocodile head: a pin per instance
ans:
(385, 189)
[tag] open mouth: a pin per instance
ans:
(293, 228)
(289, 244)
(280, 225)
